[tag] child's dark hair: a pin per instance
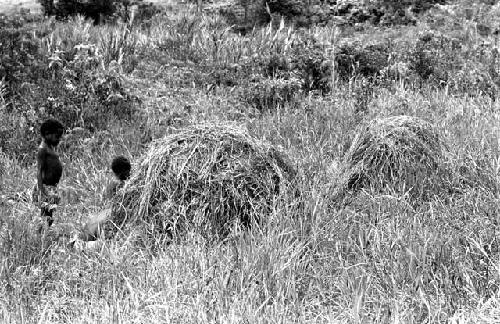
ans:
(52, 126)
(121, 167)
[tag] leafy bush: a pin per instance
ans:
(420, 59)
(312, 65)
(18, 51)
(384, 12)
(287, 8)
(91, 102)
(353, 59)
(307, 63)
(79, 84)
(442, 60)
(92, 9)
(432, 58)
(144, 15)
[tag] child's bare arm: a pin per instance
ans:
(110, 190)
(40, 169)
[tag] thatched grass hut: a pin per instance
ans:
(398, 155)
(205, 177)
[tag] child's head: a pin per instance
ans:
(121, 167)
(52, 131)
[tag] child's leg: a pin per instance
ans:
(49, 206)
(47, 214)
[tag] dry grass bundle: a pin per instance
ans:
(205, 177)
(395, 155)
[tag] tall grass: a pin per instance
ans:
(380, 259)
(111, 43)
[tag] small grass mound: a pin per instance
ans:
(207, 178)
(396, 155)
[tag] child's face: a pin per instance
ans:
(52, 138)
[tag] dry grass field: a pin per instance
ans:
(347, 175)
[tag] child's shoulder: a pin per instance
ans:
(43, 146)
(42, 149)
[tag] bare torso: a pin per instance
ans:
(113, 188)
(50, 165)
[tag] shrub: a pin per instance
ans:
(206, 178)
(93, 9)
(19, 54)
(433, 57)
(442, 60)
(310, 63)
(287, 8)
(395, 10)
(92, 103)
(429, 58)
(276, 65)
(243, 15)
(61, 73)
(90, 99)
(143, 15)
(352, 59)
(386, 12)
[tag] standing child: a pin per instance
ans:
(49, 169)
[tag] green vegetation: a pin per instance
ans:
(382, 254)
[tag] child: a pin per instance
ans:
(49, 169)
(121, 168)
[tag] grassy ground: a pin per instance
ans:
(381, 259)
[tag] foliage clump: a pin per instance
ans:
(306, 68)
(354, 59)
(395, 155)
(207, 178)
(48, 70)
(351, 12)
(442, 60)
(432, 58)
(242, 15)
(96, 10)
(426, 58)
(312, 65)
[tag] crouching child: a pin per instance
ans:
(121, 168)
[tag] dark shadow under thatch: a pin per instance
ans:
(205, 177)
(399, 155)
